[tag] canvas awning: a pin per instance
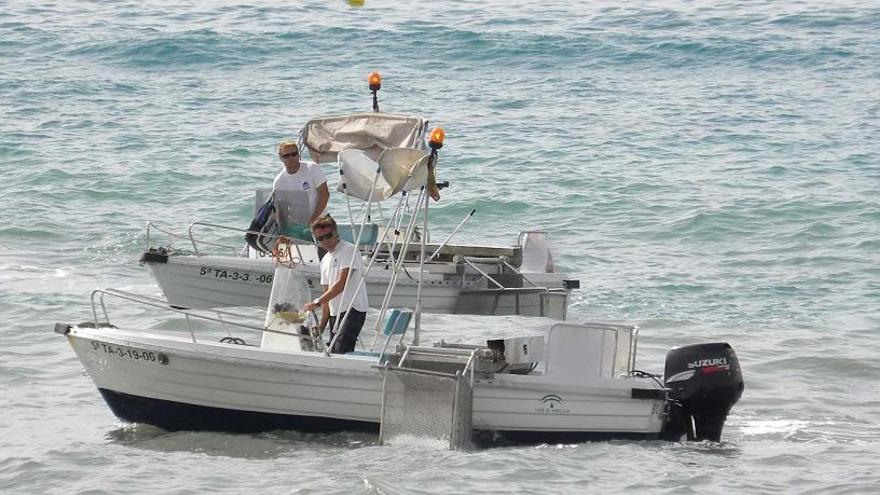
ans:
(373, 133)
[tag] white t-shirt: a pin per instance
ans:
(296, 195)
(334, 262)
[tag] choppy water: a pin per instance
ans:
(711, 172)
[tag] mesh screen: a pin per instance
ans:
(426, 406)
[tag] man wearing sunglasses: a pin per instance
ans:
(342, 271)
(301, 193)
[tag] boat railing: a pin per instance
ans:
(242, 250)
(192, 238)
(195, 242)
(459, 355)
(623, 349)
(151, 226)
(98, 296)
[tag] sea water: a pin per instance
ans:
(707, 170)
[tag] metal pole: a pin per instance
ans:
(454, 231)
(418, 325)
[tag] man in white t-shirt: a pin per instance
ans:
(344, 299)
(301, 193)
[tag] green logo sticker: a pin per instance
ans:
(552, 404)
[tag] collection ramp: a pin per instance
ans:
(429, 394)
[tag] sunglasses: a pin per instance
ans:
(288, 155)
(321, 238)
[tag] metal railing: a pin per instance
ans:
(194, 242)
(469, 356)
(98, 295)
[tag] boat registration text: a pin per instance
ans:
(260, 278)
(125, 352)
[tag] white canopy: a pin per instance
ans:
(395, 166)
(372, 133)
(398, 163)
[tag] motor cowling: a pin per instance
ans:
(705, 381)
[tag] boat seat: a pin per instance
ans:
(349, 233)
(396, 324)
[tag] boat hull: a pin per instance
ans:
(174, 416)
(178, 416)
(177, 384)
(202, 282)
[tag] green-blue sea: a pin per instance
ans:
(708, 170)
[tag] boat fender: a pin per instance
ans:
(154, 255)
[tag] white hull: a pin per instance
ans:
(201, 282)
(154, 378)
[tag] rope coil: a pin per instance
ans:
(282, 253)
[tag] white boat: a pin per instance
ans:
(461, 279)
(576, 382)
(381, 157)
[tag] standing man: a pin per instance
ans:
(342, 271)
(301, 193)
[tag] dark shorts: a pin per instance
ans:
(349, 332)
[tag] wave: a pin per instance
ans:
(661, 38)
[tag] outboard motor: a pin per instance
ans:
(705, 381)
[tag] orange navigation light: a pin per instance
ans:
(436, 139)
(375, 80)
